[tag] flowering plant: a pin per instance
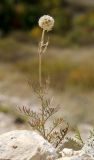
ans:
(38, 121)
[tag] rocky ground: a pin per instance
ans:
(29, 145)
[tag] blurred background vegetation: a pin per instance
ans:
(74, 20)
(69, 63)
(74, 26)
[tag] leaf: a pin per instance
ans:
(57, 136)
(72, 143)
(28, 112)
(78, 136)
(91, 133)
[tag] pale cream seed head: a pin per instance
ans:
(46, 22)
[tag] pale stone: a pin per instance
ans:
(86, 153)
(25, 145)
(89, 147)
(68, 152)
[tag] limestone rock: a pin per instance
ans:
(89, 147)
(69, 154)
(25, 145)
(86, 153)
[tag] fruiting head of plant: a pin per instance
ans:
(46, 22)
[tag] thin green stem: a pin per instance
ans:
(42, 114)
(40, 74)
(40, 57)
(42, 37)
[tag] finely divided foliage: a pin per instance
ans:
(38, 121)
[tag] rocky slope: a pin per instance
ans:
(29, 145)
